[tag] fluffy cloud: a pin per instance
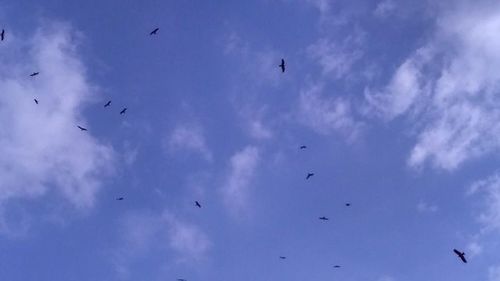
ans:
(449, 88)
(242, 167)
(42, 149)
(188, 137)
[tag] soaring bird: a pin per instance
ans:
(2, 34)
(120, 198)
(282, 257)
(336, 266)
(107, 104)
(324, 218)
(123, 111)
(348, 204)
(197, 204)
(154, 31)
(180, 279)
(36, 101)
(34, 74)
(461, 255)
(82, 128)
(282, 65)
(309, 175)
(303, 147)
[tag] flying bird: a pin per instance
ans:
(107, 104)
(34, 74)
(303, 147)
(309, 175)
(336, 266)
(324, 218)
(120, 198)
(123, 111)
(348, 204)
(154, 31)
(36, 101)
(197, 204)
(282, 257)
(282, 65)
(461, 255)
(180, 279)
(82, 128)
(2, 34)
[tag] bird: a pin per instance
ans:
(154, 31)
(2, 34)
(120, 198)
(180, 279)
(461, 255)
(82, 128)
(324, 218)
(336, 266)
(107, 104)
(348, 204)
(197, 204)
(36, 101)
(123, 111)
(282, 257)
(34, 74)
(303, 147)
(282, 65)
(309, 175)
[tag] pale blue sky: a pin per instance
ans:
(396, 101)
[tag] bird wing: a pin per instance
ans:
(463, 258)
(457, 252)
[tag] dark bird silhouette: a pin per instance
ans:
(282, 257)
(2, 34)
(34, 74)
(120, 198)
(123, 111)
(348, 204)
(36, 101)
(155, 31)
(324, 218)
(82, 128)
(461, 255)
(309, 175)
(197, 204)
(336, 266)
(107, 104)
(303, 147)
(180, 279)
(282, 65)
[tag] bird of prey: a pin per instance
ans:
(2, 34)
(336, 266)
(123, 111)
(36, 101)
(303, 147)
(120, 198)
(180, 279)
(34, 74)
(324, 218)
(82, 128)
(107, 104)
(154, 31)
(197, 204)
(282, 257)
(282, 65)
(461, 255)
(309, 175)
(348, 204)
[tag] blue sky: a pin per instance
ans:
(396, 101)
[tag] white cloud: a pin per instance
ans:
(42, 149)
(424, 207)
(384, 8)
(490, 187)
(236, 188)
(327, 115)
(448, 88)
(494, 273)
(188, 137)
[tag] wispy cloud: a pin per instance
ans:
(447, 87)
(424, 207)
(384, 8)
(188, 137)
(241, 171)
(327, 115)
(42, 149)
